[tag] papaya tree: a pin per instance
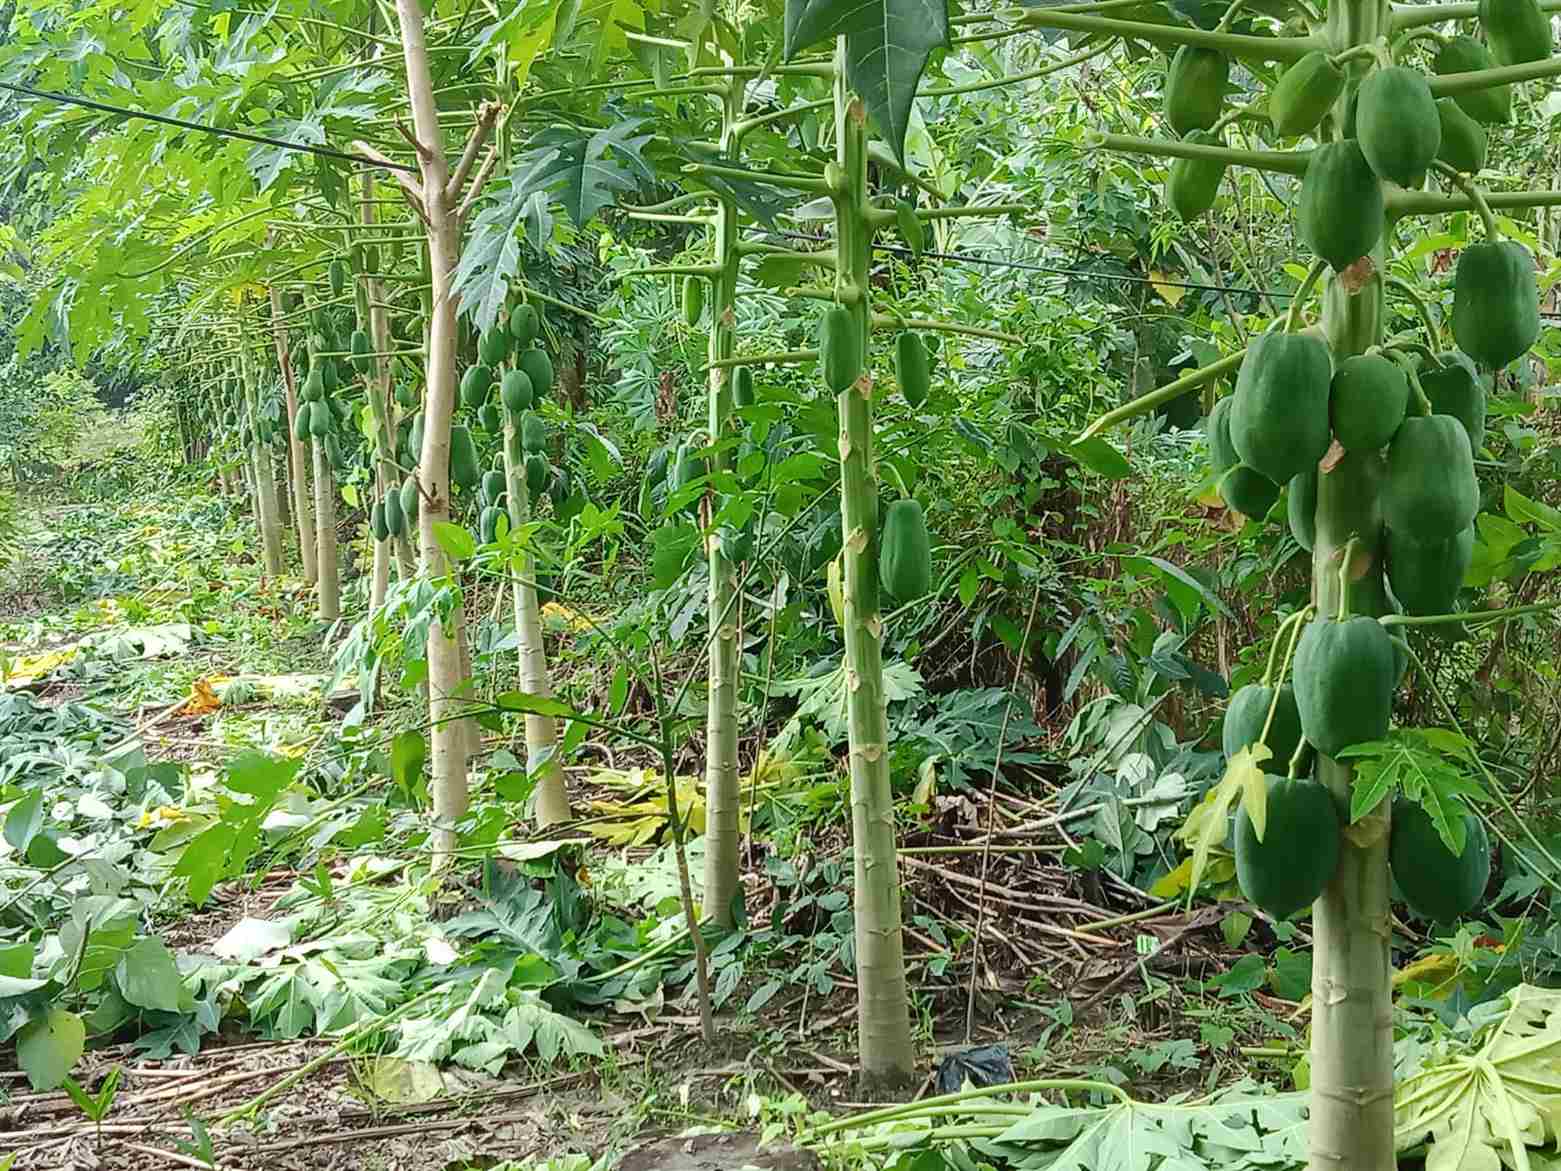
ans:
(1370, 433)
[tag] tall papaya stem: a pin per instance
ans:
(381, 390)
(1352, 1009)
(328, 583)
(297, 449)
(883, 1007)
(264, 474)
(723, 795)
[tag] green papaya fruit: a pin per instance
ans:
(1301, 508)
(1430, 493)
(411, 500)
(1193, 184)
(334, 454)
(539, 368)
(742, 388)
(1222, 452)
(377, 521)
(1195, 88)
(371, 259)
(488, 524)
(1463, 54)
(1426, 578)
(910, 368)
(515, 391)
(1304, 93)
(476, 384)
(1340, 213)
(340, 410)
(1463, 139)
(1397, 125)
(321, 419)
(489, 418)
(1279, 418)
(395, 518)
(492, 486)
(361, 349)
(524, 325)
(1517, 31)
(839, 349)
(693, 300)
(415, 438)
(1344, 676)
(330, 377)
(905, 552)
(1455, 388)
(493, 348)
(1249, 492)
(1295, 861)
(537, 475)
(1245, 715)
(339, 275)
(301, 421)
(313, 387)
(1436, 883)
(406, 395)
(1367, 401)
(1495, 302)
(533, 432)
(464, 468)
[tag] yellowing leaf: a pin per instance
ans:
(1205, 827)
(563, 616)
(1438, 972)
(25, 669)
(203, 696)
(1171, 293)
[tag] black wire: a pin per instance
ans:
(104, 107)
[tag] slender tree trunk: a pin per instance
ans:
(883, 1007)
(552, 797)
(297, 449)
(1352, 1004)
(260, 463)
(327, 561)
(445, 654)
(368, 295)
(723, 797)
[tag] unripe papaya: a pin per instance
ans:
(415, 440)
(1367, 401)
(1248, 492)
(1345, 674)
(313, 387)
(333, 452)
(537, 475)
(905, 552)
(533, 432)
(395, 518)
(1279, 419)
(1426, 578)
(1195, 88)
(301, 427)
(488, 524)
(1222, 453)
(340, 410)
(1247, 712)
(1341, 211)
(330, 377)
(1397, 125)
(361, 349)
(464, 469)
(406, 395)
(377, 521)
(1430, 493)
(339, 275)
(492, 486)
(411, 500)
(693, 299)
(1463, 139)
(476, 384)
(839, 349)
(321, 419)
(1436, 883)
(1295, 861)
(1193, 184)
(515, 391)
(1463, 54)
(494, 346)
(524, 325)
(371, 259)
(1301, 508)
(1455, 388)
(1495, 302)
(489, 418)
(910, 368)
(539, 368)
(1304, 93)
(1516, 30)
(742, 387)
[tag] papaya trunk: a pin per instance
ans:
(723, 798)
(883, 1009)
(552, 803)
(328, 588)
(446, 678)
(265, 479)
(1352, 1006)
(297, 449)
(370, 297)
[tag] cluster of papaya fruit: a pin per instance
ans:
(323, 409)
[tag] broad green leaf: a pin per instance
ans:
(24, 820)
(1205, 826)
(1523, 510)
(537, 705)
(48, 1047)
(1100, 457)
(408, 752)
(148, 977)
(457, 543)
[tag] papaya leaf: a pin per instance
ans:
(1205, 826)
(408, 751)
(1426, 766)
